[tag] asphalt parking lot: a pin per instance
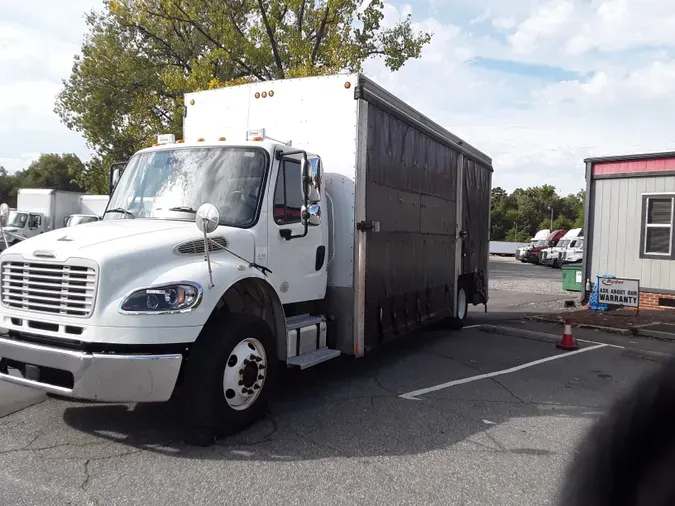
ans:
(415, 423)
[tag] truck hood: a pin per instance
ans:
(114, 238)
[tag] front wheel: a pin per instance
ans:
(228, 377)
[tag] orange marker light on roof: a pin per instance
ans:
(222, 138)
(348, 85)
(180, 141)
(271, 93)
(257, 95)
(201, 139)
(257, 138)
(264, 94)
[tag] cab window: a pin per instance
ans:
(288, 199)
(34, 221)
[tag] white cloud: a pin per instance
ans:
(537, 128)
(36, 52)
(546, 21)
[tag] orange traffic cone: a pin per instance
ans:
(567, 343)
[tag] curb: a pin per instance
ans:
(655, 334)
(515, 332)
(545, 337)
(613, 330)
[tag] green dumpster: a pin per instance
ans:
(571, 278)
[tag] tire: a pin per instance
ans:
(457, 322)
(225, 389)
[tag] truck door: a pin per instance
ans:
(298, 264)
(34, 224)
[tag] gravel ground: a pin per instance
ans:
(516, 287)
(512, 275)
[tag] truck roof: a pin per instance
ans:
(573, 233)
(266, 144)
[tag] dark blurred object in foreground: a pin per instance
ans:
(628, 456)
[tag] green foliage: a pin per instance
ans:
(52, 171)
(141, 56)
(519, 215)
(49, 171)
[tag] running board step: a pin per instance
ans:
(313, 358)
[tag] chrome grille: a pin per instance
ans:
(49, 288)
(197, 247)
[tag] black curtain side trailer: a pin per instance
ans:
(422, 215)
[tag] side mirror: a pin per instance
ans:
(116, 170)
(4, 214)
(115, 178)
(312, 179)
(208, 218)
(312, 215)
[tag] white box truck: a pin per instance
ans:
(39, 210)
(335, 218)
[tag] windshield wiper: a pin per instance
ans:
(183, 209)
(120, 210)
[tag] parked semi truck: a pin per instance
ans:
(37, 211)
(296, 221)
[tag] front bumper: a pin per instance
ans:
(92, 376)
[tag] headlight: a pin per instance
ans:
(176, 297)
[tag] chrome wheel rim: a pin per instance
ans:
(245, 374)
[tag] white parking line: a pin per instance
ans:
(413, 396)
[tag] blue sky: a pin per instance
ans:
(537, 84)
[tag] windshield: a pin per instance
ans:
(17, 220)
(541, 243)
(172, 184)
(564, 243)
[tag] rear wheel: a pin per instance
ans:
(457, 322)
(228, 377)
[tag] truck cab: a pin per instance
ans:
(534, 254)
(574, 253)
(522, 253)
(553, 255)
(22, 225)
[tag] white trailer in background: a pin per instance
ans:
(505, 248)
(39, 210)
(94, 204)
(298, 220)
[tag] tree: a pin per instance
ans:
(52, 171)
(7, 187)
(519, 215)
(141, 56)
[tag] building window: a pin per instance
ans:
(657, 226)
(288, 198)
